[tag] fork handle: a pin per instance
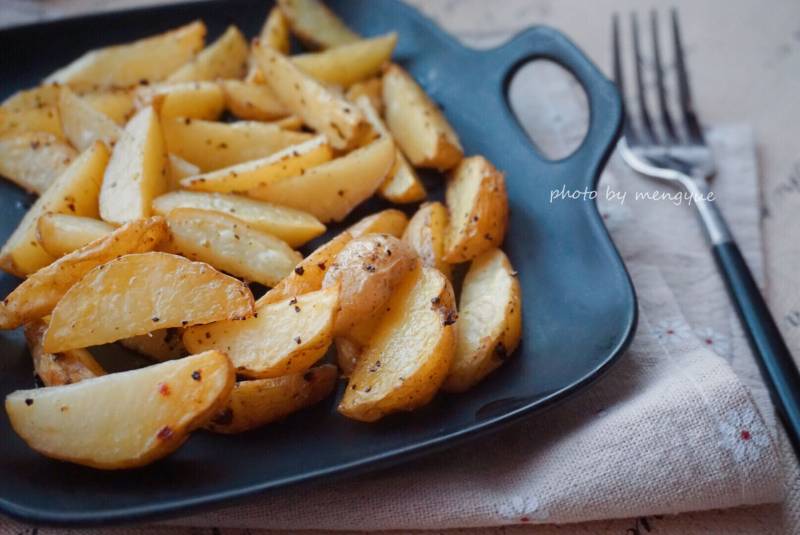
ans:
(777, 366)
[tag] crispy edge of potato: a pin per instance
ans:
(316, 25)
(224, 58)
(347, 64)
(426, 233)
(257, 402)
(390, 221)
(478, 211)
(34, 160)
(60, 368)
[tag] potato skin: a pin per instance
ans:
(369, 268)
(426, 234)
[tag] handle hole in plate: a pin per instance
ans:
(551, 106)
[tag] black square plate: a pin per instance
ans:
(579, 304)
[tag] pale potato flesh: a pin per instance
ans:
(426, 234)
(137, 171)
(123, 420)
(60, 234)
(37, 295)
(417, 123)
(61, 368)
(224, 58)
(142, 293)
(478, 206)
(275, 32)
(83, 125)
(75, 192)
(337, 186)
(42, 96)
(195, 100)
(368, 269)
(211, 145)
(150, 59)
(321, 109)
(291, 161)
(257, 402)
(489, 320)
(347, 64)
(390, 221)
(229, 244)
(160, 345)
(178, 169)
(33, 160)
(252, 101)
(316, 25)
(295, 227)
(410, 352)
(117, 104)
(284, 337)
(17, 122)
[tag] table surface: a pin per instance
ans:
(744, 61)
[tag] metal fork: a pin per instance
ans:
(661, 148)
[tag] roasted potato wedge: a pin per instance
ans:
(489, 320)
(116, 104)
(259, 402)
(148, 60)
(426, 233)
(177, 170)
(39, 293)
(62, 368)
(372, 89)
(284, 337)
(160, 345)
(60, 234)
(389, 221)
(194, 100)
(142, 293)
(320, 108)
(83, 125)
(410, 352)
(478, 206)
(347, 64)
(417, 123)
(402, 185)
(15, 122)
(211, 145)
(291, 161)
(275, 32)
(43, 96)
(316, 25)
(137, 171)
(123, 420)
(368, 269)
(224, 58)
(336, 186)
(75, 192)
(295, 227)
(34, 160)
(252, 101)
(229, 244)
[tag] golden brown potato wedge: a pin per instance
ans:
(15, 122)
(61, 368)
(241, 178)
(402, 185)
(137, 171)
(410, 352)
(123, 420)
(478, 207)
(417, 123)
(347, 64)
(83, 125)
(117, 104)
(39, 293)
(426, 233)
(224, 58)
(337, 186)
(195, 100)
(316, 25)
(284, 337)
(160, 345)
(42, 96)
(290, 123)
(147, 60)
(75, 192)
(229, 244)
(368, 269)
(252, 101)
(211, 145)
(275, 32)
(320, 108)
(489, 320)
(372, 89)
(390, 221)
(34, 160)
(60, 234)
(295, 227)
(258, 402)
(142, 293)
